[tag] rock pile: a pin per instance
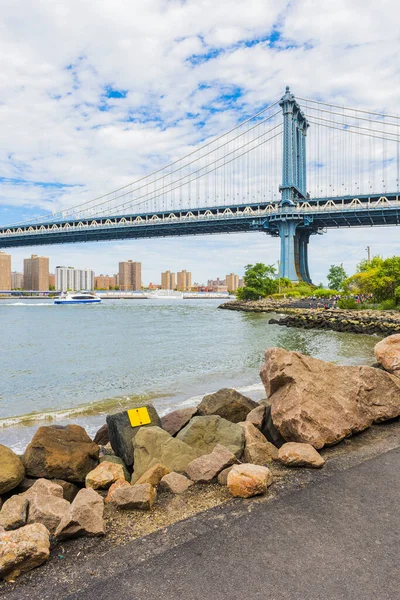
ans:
(59, 488)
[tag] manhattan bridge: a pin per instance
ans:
(295, 169)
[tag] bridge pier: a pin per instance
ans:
(294, 251)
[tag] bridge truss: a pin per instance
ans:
(296, 168)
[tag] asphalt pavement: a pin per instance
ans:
(337, 539)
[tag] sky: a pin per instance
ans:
(94, 95)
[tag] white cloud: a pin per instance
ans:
(58, 58)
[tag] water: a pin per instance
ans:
(77, 363)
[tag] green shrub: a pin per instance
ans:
(348, 304)
(324, 293)
(389, 304)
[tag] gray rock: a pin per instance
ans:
(12, 470)
(175, 483)
(13, 513)
(153, 445)
(228, 404)
(84, 516)
(140, 497)
(206, 467)
(121, 432)
(204, 433)
(176, 420)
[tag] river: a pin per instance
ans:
(74, 364)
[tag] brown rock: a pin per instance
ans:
(13, 512)
(152, 475)
(257, 450)
(223, 476)
(175, 483)
(206, 468)
(176, 420)
(321, 403)
(104, 475)
(247, 480)
(228, 404)
(47, 510)
(69, 489)
(44, 487)
(140, 497)
(387, 353)
(12, 470)
(294, 454)
(102, 438)
(115, 486)
(57, 452)
(84, 517)
(256, 416)
(23, 550)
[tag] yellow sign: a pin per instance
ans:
(139, 416)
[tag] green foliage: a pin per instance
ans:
(336, 277)
(324, 293)
(380, 277)
(389, 304)
(348, 304)
(259, 280)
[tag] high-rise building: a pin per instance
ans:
(232, 282)
(130, 275)
(5, 271)
(17, 280)
(168, 280)
(104, 282)
(184, 281)
(52, 280)
(36, 273)
(68, 278)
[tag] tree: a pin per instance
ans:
(336, 277)
(259, 280)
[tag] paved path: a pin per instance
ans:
(334, 540)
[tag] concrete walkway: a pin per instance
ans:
(333, 540)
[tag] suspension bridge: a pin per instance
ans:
(296, 168)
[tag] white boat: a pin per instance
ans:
(162, 294)
(77, 298)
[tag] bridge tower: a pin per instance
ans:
(292, 227)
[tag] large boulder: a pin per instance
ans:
(153, 445)
(84, 516)
(320, 403)
(104, 475)
(121, 432)
(257, 450)
(294, 454)
(102, 438)
(260, 417)
(176, 420)
(14, 512)
(12, 470)
(387, 353)
(206, 467)
(204, 433)
(44, 487)
(245, 481)
(23, 550)
(228, 404)
(58, 452)
(140, 497)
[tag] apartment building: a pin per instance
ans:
(36, 273)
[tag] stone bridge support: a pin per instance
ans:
(294, 250)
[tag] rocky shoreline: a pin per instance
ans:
(350, 321)
(141, 473)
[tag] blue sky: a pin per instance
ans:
(94, 96)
